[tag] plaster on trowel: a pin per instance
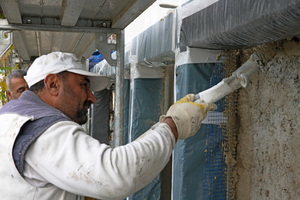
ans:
(239, 78)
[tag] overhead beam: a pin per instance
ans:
(91, 12)
(12, 11)
(54, 21)
(70, 11)
(56, 28)
(131, 12)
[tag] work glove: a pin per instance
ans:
(188, 115)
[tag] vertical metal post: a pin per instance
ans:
(119, 104)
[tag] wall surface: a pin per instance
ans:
(268, 149)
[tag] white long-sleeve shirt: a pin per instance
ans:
(69, 163)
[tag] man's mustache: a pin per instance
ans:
(87, 103)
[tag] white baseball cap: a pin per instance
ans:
(56, 62)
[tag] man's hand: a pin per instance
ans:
(187, 115)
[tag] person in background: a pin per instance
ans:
(46, 154)
(16, 83)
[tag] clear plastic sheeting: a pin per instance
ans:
(145, 55)
(188, 158)
(104, 68)
(228, 24)
(155, 46)
(145, 106)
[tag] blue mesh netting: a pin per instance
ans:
(214, 182)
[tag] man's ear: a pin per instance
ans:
(9, 94)
(51, 84)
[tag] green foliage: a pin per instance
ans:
(3, 97)
(2, 16)
(5, 69)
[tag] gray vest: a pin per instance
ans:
(43, 116)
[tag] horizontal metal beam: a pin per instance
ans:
(50, 21)
(56, 28)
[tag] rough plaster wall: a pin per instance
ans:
(268, 148)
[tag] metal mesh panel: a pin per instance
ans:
(214, 183)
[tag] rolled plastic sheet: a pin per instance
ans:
(156, 45)
(141, 71)
(196, 55)
(232, 24)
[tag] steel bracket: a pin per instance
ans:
(106, 46)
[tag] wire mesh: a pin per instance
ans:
(214, 183)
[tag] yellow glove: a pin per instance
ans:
(188, 115)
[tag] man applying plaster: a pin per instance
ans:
(16, 83)
(46, 154)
